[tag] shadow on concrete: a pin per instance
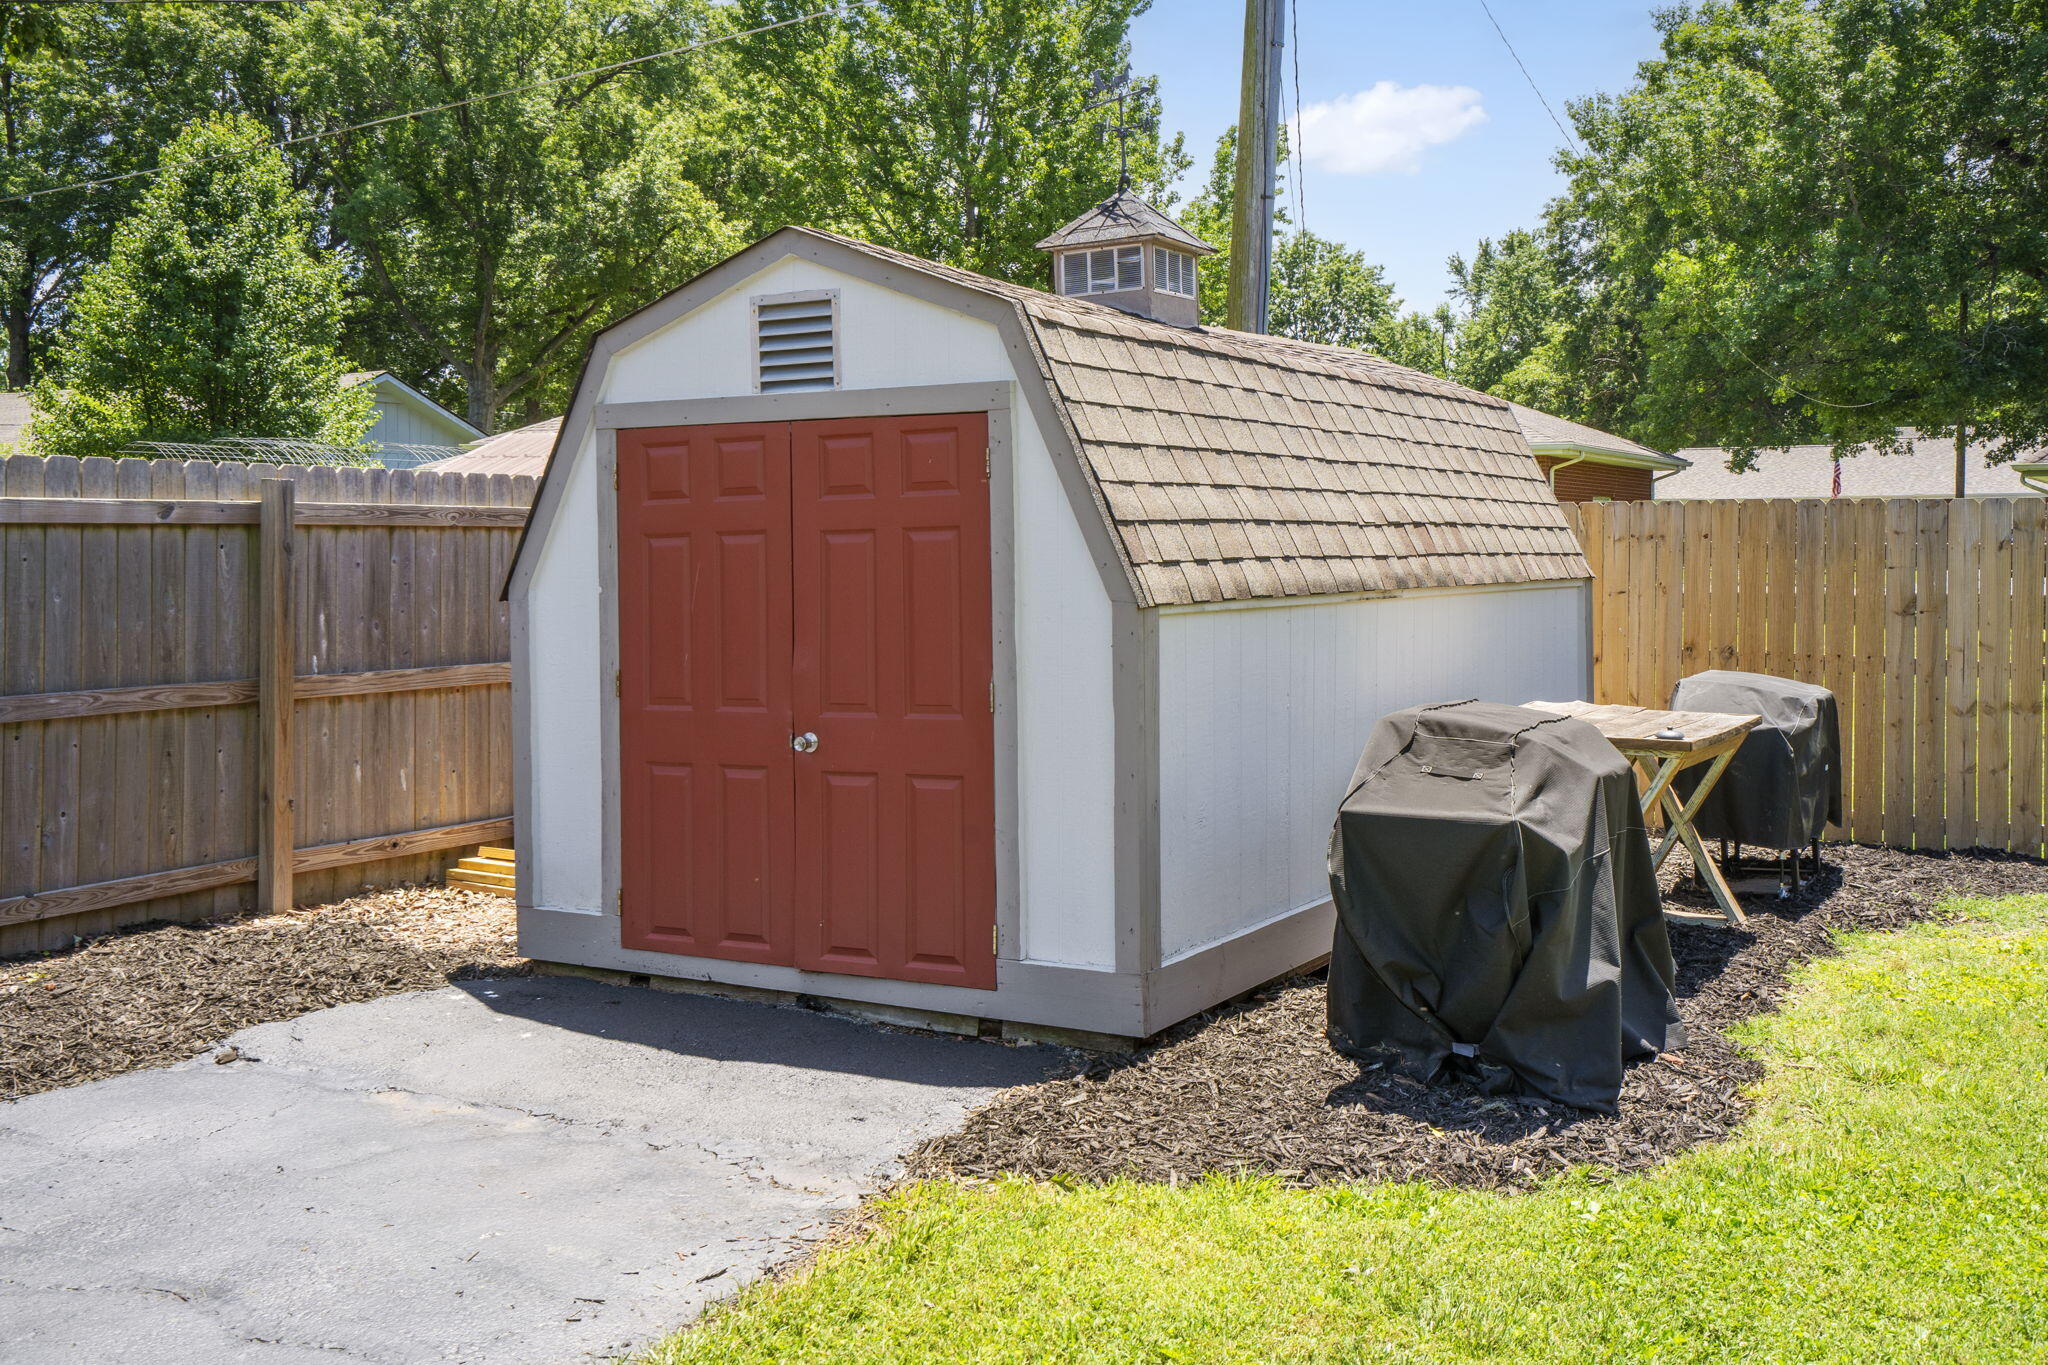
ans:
(717, 1029)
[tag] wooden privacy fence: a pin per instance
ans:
(228, 685)
(1927, 617)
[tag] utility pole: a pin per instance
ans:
(1258, 134)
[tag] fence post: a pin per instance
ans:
(277, 666)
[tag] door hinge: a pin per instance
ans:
(991, 696)
(995, 939)
(615, 474)
(618, 685)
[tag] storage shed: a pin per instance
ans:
(887, 633)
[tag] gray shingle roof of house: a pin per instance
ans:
(1926, 470)
(523, 450)
(1120, 218)
(1544, 430)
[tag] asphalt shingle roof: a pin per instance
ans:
(1542, 429)
(523, 450)
(1926, 470)
(1233, 465)
(1123, 217)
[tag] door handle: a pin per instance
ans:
(804, 743)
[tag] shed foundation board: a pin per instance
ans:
(1121, 1005)
(1026, 992)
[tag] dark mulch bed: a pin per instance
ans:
(1253, 1087)
(160, 993)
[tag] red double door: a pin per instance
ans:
(806, 745)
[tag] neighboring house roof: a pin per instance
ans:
(15, 413)
(390, 387)
(1927, 469)
(1119, 218)
(1550, 435)
(523, 450)
(1228, 465)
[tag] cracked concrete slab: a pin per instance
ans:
(543, 1169)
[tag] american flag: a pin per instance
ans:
(1836, 491)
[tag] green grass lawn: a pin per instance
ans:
(1887, 1202)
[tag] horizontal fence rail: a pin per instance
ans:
(1927, 618)
(231, 685)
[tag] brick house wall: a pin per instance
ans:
(1590, 482)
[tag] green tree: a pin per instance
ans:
(952, 129)
(1839, 211)
(88, 93)
(212, 316)
(1423, 341)
(493, 238)
(1509, 298)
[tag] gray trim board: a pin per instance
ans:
(1247, 959)
(1586, 638)
(607, 475)
(1134, 690)
(1002, 520)
(804, 405)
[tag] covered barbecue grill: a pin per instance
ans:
(1496, 910)
(1784, 786)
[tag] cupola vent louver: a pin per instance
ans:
(795, 343)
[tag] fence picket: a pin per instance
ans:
(140, 797)
(1927, 618)
(1994, 643)
(2029, 648)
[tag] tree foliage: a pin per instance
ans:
(1508, 297)
(492, 238)
(952, 129)
(212, 316)
(1829, 219)
(94, 94)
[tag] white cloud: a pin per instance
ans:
(1386, 128)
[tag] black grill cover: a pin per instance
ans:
(1785, 784)
(1496, 912)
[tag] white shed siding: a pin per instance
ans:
(1065, 722)
(561, 858)
(1265, 708)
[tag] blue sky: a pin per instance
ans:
(1423, 135)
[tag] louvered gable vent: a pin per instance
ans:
(795, 344)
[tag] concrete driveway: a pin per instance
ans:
(540, 1169)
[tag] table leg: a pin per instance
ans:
(1731, 909)
(1681, 818)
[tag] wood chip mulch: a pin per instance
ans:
(1253, 1087)
(160, 993)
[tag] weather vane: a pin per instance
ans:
(1108, 90)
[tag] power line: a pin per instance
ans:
(1569, 142)
(1300, 155)
(542, 84)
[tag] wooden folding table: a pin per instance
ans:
(1646, 738)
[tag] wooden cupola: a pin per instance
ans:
(1129, 255)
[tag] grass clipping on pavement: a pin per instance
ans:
(1887, 1201)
